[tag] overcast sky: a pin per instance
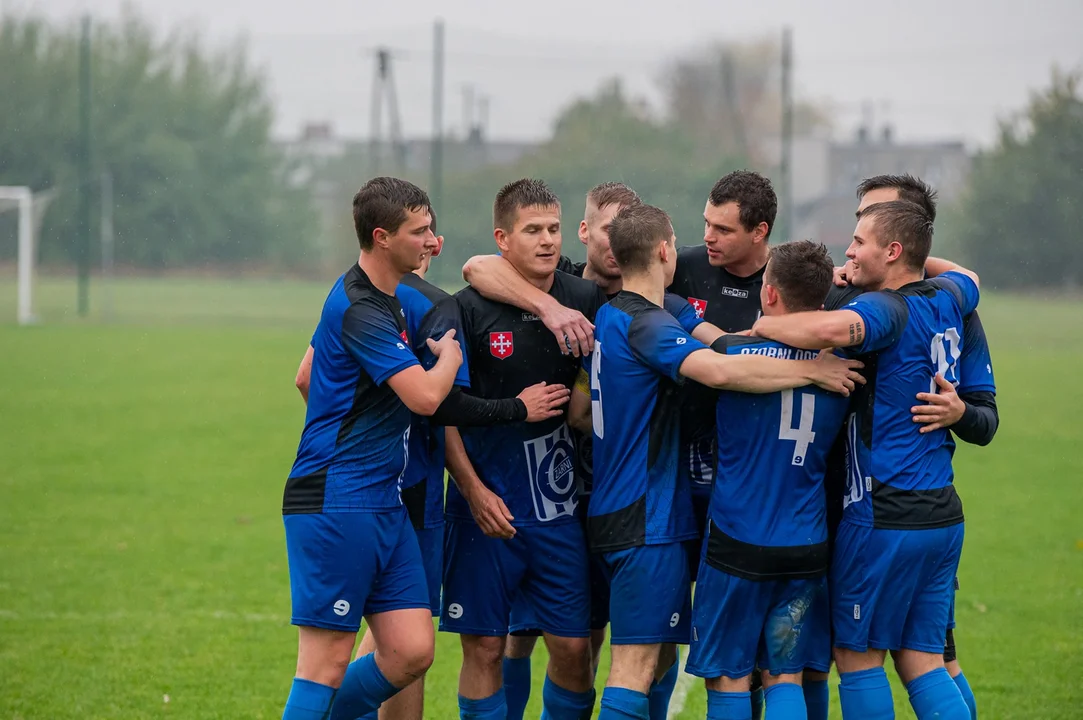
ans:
(935, 69)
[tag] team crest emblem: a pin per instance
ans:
(699, 305)
(501, 345)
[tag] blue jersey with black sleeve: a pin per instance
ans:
(897, 477)
(353, 449)
(430, 312)
(637, 500)
(768, 509)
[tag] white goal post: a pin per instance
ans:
(23, 199)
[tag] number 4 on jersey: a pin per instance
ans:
(802, 435)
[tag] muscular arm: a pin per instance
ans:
(760, 374)
(496, 279)
(935, 266)
(814, 330)
(424, 390)
(304, 374)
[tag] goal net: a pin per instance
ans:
(28, 208)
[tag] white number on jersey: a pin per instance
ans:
(802, 435)
(945, 350)
(596, 387)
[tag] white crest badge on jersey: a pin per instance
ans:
(501, 344)
(550, 461)
(699, 305)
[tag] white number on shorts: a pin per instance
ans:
(802, 435)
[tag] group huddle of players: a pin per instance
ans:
(739, 416)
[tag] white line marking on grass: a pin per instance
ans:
(680, 690)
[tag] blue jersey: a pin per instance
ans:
(354, 445)
(638, 351)
(430, 312)
(768, 509)
(898, 478)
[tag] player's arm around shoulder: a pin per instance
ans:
(815, 330)
(753, 373)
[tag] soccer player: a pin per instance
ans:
(511, 513)
(429, 313)
(898, 545)
(495, 278)
(970, 410)
(351, 550)
(640, 518)
(762, 573)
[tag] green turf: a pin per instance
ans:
(141, 545)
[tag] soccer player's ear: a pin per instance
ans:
(501, 238)
(439, 245)
(583, 231)
(380, 237)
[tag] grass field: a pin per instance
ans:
(142, 562)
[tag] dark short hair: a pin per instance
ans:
(521, 194)
(905, 223)
(911, 189)
(635, 232)
(802, 271)
(382, 202)
(612, 193)
(754, 196)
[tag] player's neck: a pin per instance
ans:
(609, 285)
(381, 272)
(750, 265)
(650, 285)
(542, 284)
(895, 279)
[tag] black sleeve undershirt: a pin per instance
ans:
(461, 409)
(980, 420)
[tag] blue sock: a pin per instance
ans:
(517, 686)
(866, 695)
(493, 707)
(785, 701)
(363, 690)
(662, 691)
(561, 704)
(968, 695)
(816, 699)
(622, 703)
(935, 695)
(729, 706)
(308, 701)
(756, 699)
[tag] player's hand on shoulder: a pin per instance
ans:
(843, 274)
(490, 513)
(942, 409)
(447, 345)
(574, 333)
(544, 401)
(838, 374)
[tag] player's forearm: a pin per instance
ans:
(760, 374)
(435, 386)
(496, 279)
(815, 330)
(707, 333)
(461, 409)
(458, 464)
(935, 266)
(980, 420)
(304, 374)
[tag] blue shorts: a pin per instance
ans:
(546, 566)
(739, 625)
(892, 589)
(431, 543)
(522, 617)
(817, 633)
(347, 565)
(650, 594)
